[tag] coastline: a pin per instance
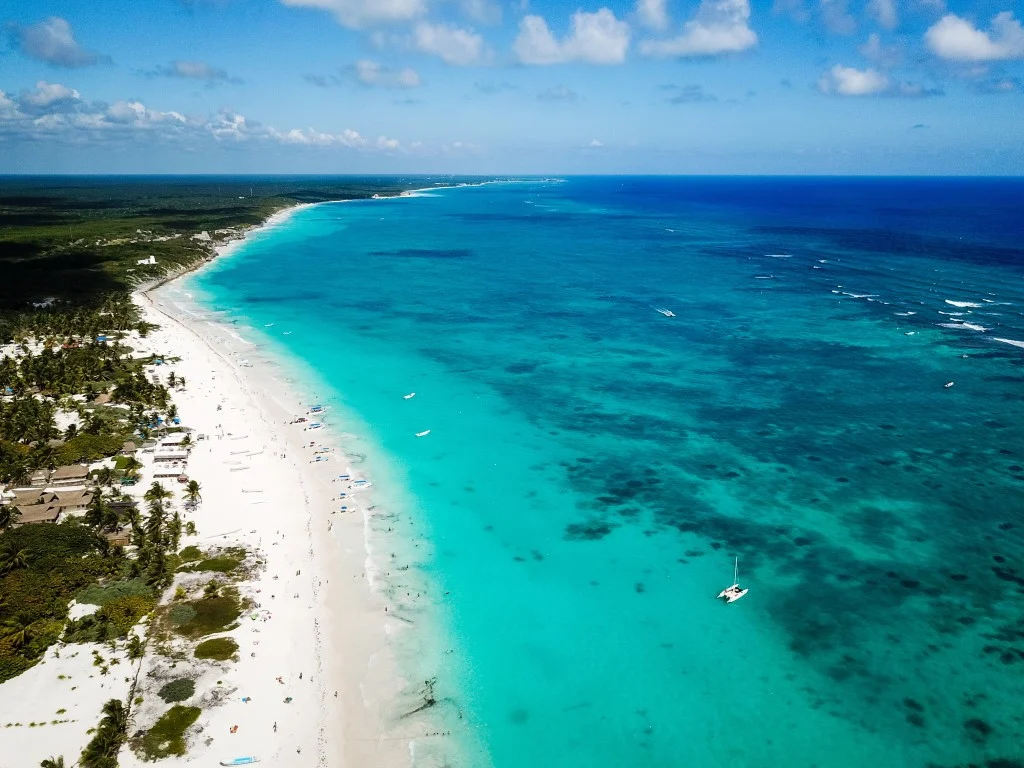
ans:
(345, 631)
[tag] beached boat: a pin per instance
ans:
(735, 592)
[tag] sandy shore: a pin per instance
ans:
(272, 486)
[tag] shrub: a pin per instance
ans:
(123, 613)
(211, 614)
(167, 736)
(190, 553)
(181, 614)
(177, 690)
(101, 595)
(222, 564)
(218, 649)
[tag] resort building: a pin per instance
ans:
(75, 474)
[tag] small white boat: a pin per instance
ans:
(735, 592)
(240, 761)
(665, 312)
(424, 433)
(410, 396)
(949, 384)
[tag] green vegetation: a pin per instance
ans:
(223, 562)
(177, 690)
(218, 649)
(207, 615)
(96, 594)
(167, 736)
(41, 568)
(81, 239)
(102, 749)
(190, 553)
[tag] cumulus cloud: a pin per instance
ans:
(850, 81)
(459, 47)
(957, 39)
(594, 38)
(373, 74)
(836, 16)
(49, 94)
(57, 113)
(595, 144)
(52, 41)
(194, 70)
(884, 12)
(653, 14)
(358, 14)
(557, 93)
(718, 27)
(483, 11)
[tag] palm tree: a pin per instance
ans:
(8, 516)
(53, 762)
(174, 532)
(105, 476)
(12, 558)
(192, 492)
(132, 466)
(171, 379)
(181, 382)
(172, 412)
(157, 493)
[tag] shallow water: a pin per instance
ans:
(593, 465)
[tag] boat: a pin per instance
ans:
(240, 761)
(410, 396)
(735, 592)
(665, 312)
(424, 433)
(949, 384)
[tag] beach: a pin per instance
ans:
(272, 485)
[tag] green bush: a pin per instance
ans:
(96, 594)
(123, 613)
(167, 736)
(190, 553)
(218, 649)
(212, 614)
(181, 614)
(221, 564)
(178, 690)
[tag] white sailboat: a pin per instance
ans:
(735, 592)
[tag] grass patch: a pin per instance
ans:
(188, 554)
(211, 614)
(167, 736)
(218, 649)
(177, 690)
(96, 594)
(224, 561)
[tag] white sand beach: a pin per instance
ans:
(315, 682)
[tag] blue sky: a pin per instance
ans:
(512, 86)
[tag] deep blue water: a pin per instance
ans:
(594, 465)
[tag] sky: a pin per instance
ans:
(512, 86)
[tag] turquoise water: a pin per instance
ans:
(594, 465)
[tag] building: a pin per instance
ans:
(50, 506)
(76, 474)
(129, 448)
(40, 478)
(164, 456)
(37, 513)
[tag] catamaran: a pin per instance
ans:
(735, 592)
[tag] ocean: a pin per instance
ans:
(628, 383)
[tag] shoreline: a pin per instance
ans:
(362, 687)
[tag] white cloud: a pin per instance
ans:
(373, 74)
(56, 113)
(957, 39)
(357, 14)
(653, 14)
(483, 11)
(719, 26)
(47, 94)
(52, 41)
(453, 45)
(850, 81)
(595, 144)
(884, 12)
(594, 38)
